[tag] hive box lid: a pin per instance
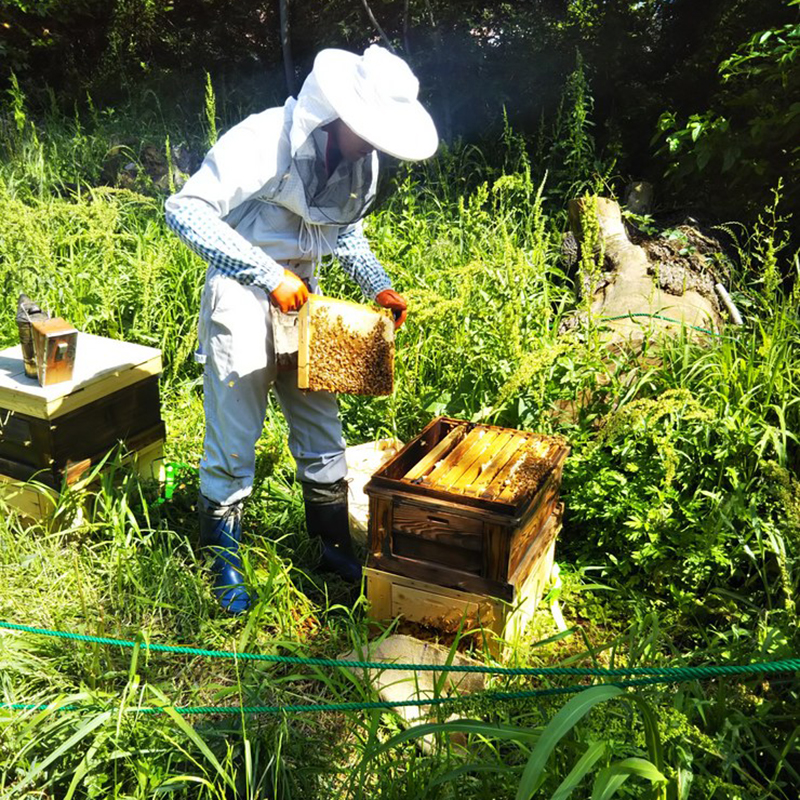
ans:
(102, 366)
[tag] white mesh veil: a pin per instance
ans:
(306, 189)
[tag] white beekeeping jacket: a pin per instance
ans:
(266, 179)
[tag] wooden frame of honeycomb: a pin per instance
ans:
(486, 462)
(345, 347)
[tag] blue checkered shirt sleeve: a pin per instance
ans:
(359, 262)
(197, 224)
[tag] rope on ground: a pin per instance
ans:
(319, 708)
(679, 673)
(661, 317)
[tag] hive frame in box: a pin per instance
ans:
(459, 542)
(500, 625)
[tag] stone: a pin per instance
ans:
(400, 685)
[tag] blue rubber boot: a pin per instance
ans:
(327, 518)
(220, 533)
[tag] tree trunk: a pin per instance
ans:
(406, 45)
(378, 28)
(286, 46)
(441, 73)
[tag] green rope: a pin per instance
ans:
(333, 707)
(665, 319)
(678, 673)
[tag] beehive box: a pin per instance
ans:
(345, 348)
(496, 623)
(55, 434)
(466, 507)
(37, 501)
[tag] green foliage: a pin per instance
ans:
(106, 263)
(573, 162)
(750, 133)
(769, 238)
(681, 491)
(210, 113)
(585, 14)
(17, 103)
(677, 482)
(473, 58)
(592, 248)
(135, 24)
(531, 775)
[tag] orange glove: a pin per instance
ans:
(291, 293)
(389, 298)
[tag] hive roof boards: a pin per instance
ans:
(101, 366)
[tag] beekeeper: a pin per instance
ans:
(275, 194)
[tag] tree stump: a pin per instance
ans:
(627, 302)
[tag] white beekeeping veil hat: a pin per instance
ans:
(375, 95)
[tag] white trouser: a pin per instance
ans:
(235, 333)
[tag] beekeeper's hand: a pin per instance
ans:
(291, 293)
(389, 298)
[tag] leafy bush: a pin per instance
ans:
(749, 135)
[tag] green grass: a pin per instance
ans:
(680, 543)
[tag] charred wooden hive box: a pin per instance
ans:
(467, 507)
(345, 348)
(55, 433)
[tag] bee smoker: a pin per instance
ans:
(28, 312)
(48, 345)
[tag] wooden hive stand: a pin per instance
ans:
(463, 523)
(51, 436)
